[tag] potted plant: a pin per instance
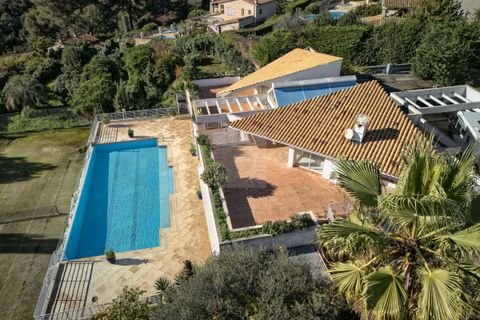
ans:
(199, 194)
(110, 255)
(130, 133)
(105, 120)
(193, 150)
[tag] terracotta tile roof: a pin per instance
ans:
(400, 4)
(318, 125)
(295, 61)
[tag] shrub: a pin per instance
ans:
(129, 305)
(313, 8)
(203, 139)
(252, 284)
(274, 45)
(368, 10)
(215, 175)
(150, 27)
(197, 13)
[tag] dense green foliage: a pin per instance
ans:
(408, 254)
(40, 22)
(449, 52)
(251, 284)
(441, 43)
(11, 27)
(273, 46)
(197, 47)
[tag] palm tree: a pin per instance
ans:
(408, 253)
(22, 92)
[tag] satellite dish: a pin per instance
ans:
(349, 134)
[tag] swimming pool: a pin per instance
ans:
(334, 15)
(124, 201)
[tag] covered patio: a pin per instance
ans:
(262, 187)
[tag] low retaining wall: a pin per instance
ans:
(268, 242)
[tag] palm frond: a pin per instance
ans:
(343, 228)
(361, 181)
(385, 295)
(440, 296)
(469, 269)
(421, 169)
(462, 244)
(348, 277)
(457, 179)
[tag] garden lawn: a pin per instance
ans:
(38, 174)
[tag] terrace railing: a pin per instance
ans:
(89, 311)
(45, 292)
(135, 114)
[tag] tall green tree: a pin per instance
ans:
(22, 92)
(94, 96)
(407, 254)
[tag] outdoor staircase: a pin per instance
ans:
(71, 291)
(107, 134)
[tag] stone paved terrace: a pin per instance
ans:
(187, 238)
(262, 187)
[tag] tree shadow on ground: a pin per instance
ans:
(252, 187)
(15, 169)
(26, 243)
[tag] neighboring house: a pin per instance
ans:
(76, 39)
(452, 113)
(360, 123)
(237, 14)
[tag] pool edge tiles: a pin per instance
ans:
(123, 202)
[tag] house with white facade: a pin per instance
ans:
(236, 14)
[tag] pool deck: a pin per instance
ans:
(186, 239)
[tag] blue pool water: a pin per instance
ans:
(334, 15)
(124, 200)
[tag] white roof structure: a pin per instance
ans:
(439, 100)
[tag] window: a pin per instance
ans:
(249, 12)
(310, 161)
(230, 11)
(260, 11)
(243, 12)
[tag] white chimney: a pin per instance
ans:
(359, 129)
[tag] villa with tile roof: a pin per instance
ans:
(361, 123)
